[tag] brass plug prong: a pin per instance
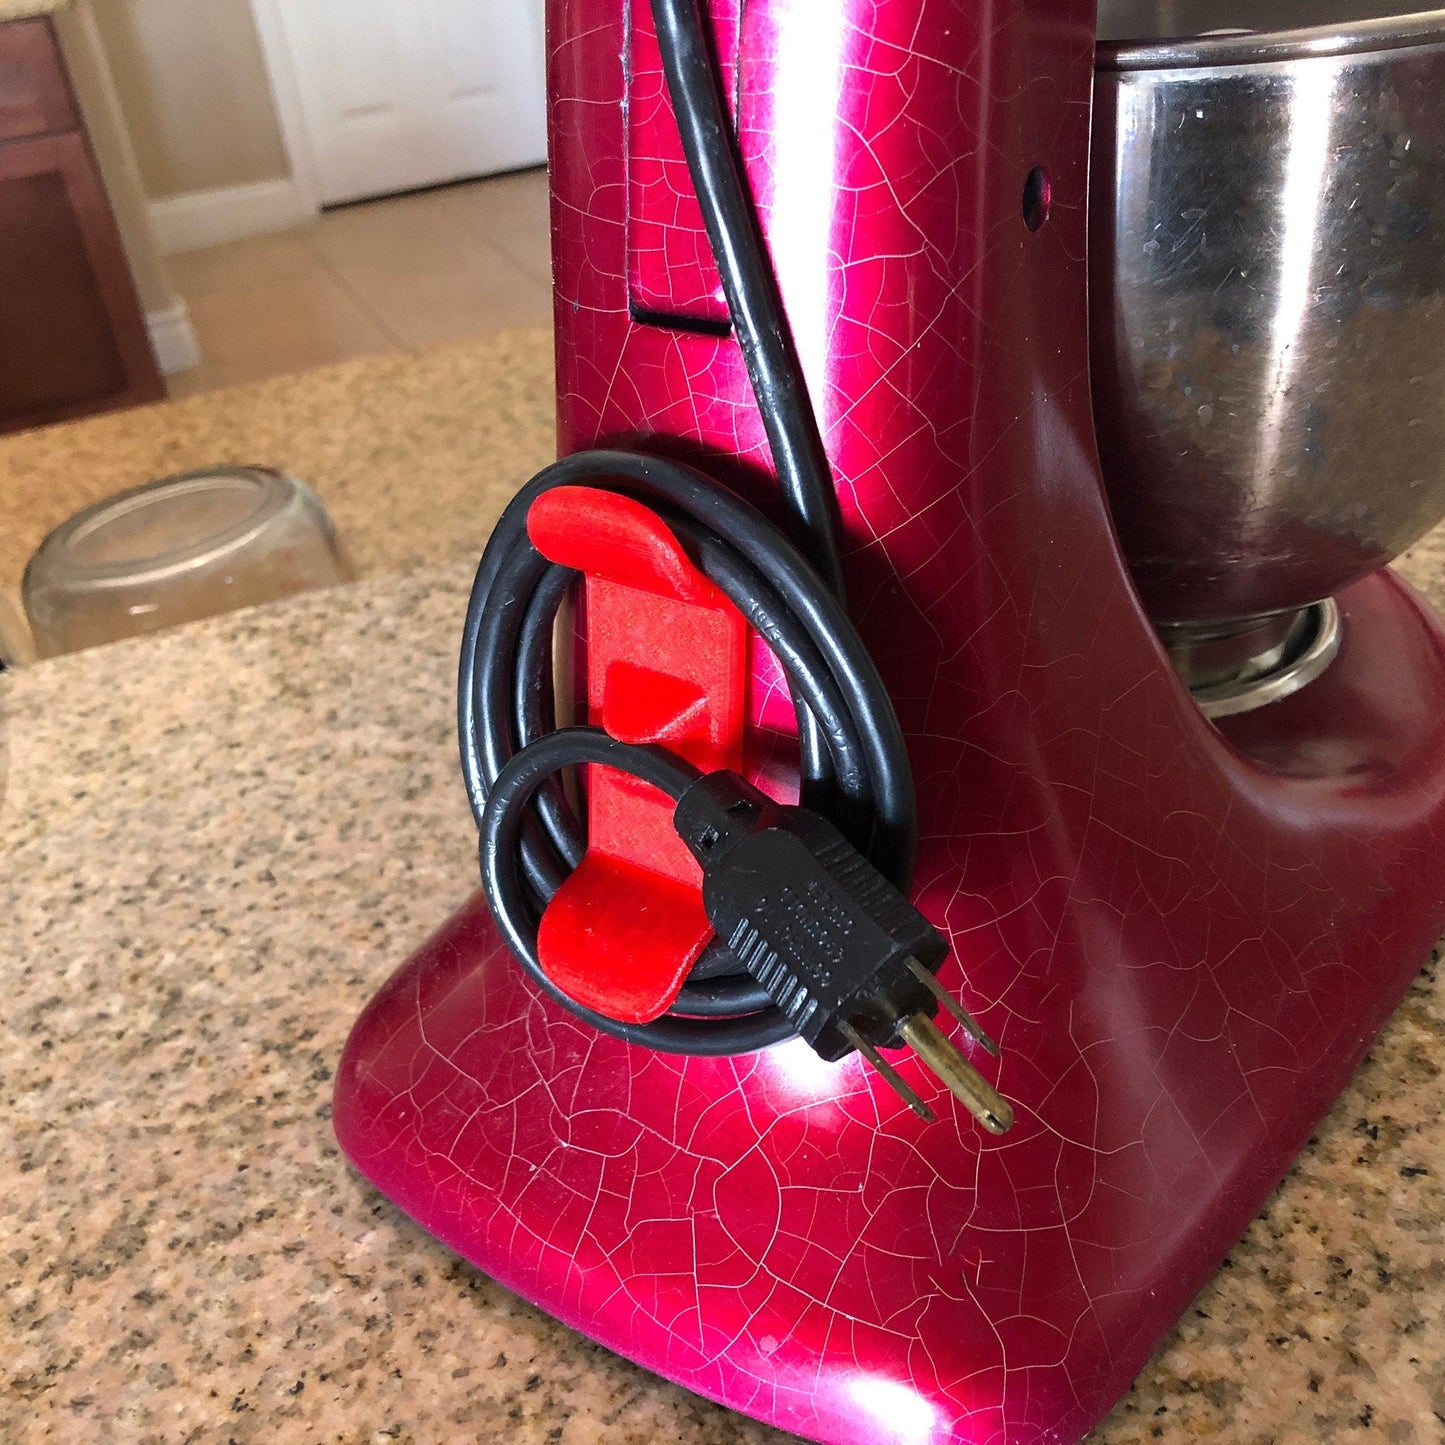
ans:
(891, 1075)
(964, 1082)
(971, 1024)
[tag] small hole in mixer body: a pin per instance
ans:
(1038, 198)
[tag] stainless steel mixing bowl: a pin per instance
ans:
(1268, 298)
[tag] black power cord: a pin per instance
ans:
(507, 715)
(774, 368)
(854, 764)
(761, 980)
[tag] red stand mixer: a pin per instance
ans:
(1182, 931)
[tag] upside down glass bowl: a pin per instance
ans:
(177, 550)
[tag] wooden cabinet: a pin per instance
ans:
(72, 339)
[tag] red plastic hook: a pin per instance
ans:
(666, 663)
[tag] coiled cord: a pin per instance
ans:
(853, 765)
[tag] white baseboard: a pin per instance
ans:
(173, 338)
(208, 218)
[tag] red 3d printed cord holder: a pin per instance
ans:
(666, 663)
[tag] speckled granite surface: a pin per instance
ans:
(25, 9)
(413, 453)
(217, 843)
(269, 819)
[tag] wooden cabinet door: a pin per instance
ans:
(72, 339)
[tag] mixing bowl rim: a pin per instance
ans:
(1389, 32)
(278, 488)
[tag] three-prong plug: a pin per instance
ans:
(839, 949)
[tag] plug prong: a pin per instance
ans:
(971, 1024)
(891, 1075)
(964, 1082)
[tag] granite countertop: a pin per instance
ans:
(28, 9)
(220, 840)
(269, 813)
(414, 454)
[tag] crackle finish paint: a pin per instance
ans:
(1184, 940)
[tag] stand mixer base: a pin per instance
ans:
(783, 1236)
(1183, 935)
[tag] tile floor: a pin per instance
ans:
(387, 275)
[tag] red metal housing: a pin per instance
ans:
(1184, 939)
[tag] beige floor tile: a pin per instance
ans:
(428, 305)
(518, 198)
(407, 271)
(251, 262)
(272, 327)
(509, 212)
(406, 233)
